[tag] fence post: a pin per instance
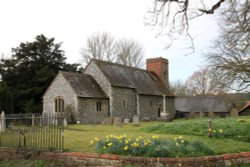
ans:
(3, 122)
(33, 120)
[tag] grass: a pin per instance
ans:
(25, 163)
(78, 137)
(233, 128)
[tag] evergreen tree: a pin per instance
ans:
(30, 71)
(6, 100)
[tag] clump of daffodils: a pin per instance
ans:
(216, 132)
(180, 141)
(151, 146)
(123, 144)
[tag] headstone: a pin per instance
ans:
(117, 121)
(145, 119)
(211, 115)
(65, 122)
(234, 112)
(107, 121)
(126, 121)
(202, 114)
(136, 120)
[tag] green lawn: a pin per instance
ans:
(78, 137)
(26, 163)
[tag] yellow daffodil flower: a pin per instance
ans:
(125, 148)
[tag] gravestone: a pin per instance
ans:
(117, 121)
(107, 121)
(136, 120)
(202, 114)
(126, 121)
(145, 119)
(234, 112)
(65, 122)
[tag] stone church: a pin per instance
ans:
(108, 89)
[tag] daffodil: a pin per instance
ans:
(125, 148)
(92, 142)
(155, 137)
(135, 144)
(109, 144)
(221, 130)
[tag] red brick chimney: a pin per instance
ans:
(160, 67)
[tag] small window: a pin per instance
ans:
(124, 103)
(59, 104)
(98, 106)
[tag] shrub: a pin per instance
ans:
(153, 147)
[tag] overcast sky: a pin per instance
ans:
(72, 21)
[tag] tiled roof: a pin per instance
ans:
(202, 104)
(84, 85)
(247, 105)
(143, 81)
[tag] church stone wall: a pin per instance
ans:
(170, 107)
(149, 106)
(92, 69)
(124, 102)
(88, 113)
(59, 87)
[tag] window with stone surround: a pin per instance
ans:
(98, 106)
(124, 103)
(59, 104)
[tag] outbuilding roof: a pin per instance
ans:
(145, 82)
(84, 85)
(246, 106)
(202, 104)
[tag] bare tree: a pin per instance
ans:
(172, 17)
(130, 53)
(230, 57)
(100, 46)
(204, 82)
(179, 88)
(105, 47)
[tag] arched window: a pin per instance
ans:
(59, 104)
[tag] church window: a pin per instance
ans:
(124, 103)
(98, 106)
(59, 104)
